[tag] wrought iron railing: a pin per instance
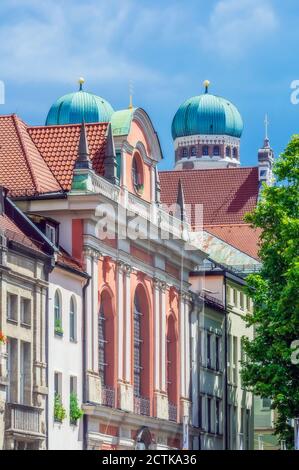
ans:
(172, 412)
(108, 396)
(142, 406)
(23, 418)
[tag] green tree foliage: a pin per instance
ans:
(269, 370)
(75, 411)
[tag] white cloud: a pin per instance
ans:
(236, 26)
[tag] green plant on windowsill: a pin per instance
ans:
(59, 410)
(140, 188)
(75, 411)
(58, 327)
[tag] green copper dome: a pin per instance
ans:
(74, 108)
(207, 114)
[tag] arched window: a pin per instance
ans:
(106, 348)
(137, 175)
(73, 320)
(141, 354)
(57, 314)
(172, 385)
(235, 152)
(193, 151)
(205, 150)
(185, 152)
(227, 151)
(216, 151)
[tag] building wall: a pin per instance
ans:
(23, 358)
(65, 357)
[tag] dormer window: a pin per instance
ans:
(205, 150)
(216, 151)
(51, 233)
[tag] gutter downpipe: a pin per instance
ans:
(226, 423)
(84, 393)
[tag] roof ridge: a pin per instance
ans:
(23, 146)
(208, 169)
(98, 124)
(227, 225)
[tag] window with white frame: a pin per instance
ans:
(25, 307)
(57, 314)
(73, 320)
(235, 359)
(102, 344)
(209, 351)
(51, 233)
(12, 307)
(217, 352)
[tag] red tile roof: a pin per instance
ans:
(14, 233)
(225, 194)
(22, 168)
(68, 261)
(241, 236)
(58, 146)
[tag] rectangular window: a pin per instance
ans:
(229, 426)
(235, 297)
(234, 427)
(217, 417)
(25, 373)
(200, 411)
(209, 356)
(209, 404)
(25, 311)
(12, 370)
(247, 430)
(241, 300)
(235, 360)
(73, 385)
(51, 233)
(248, 303)
(12, 307)
(229, 358)
(217, 347)
(58, 383)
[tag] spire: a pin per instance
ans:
(110, 162)
(83, 159)
(206, 84)
(266, 140)
(81, 81)
(181, 202)
(131, 94)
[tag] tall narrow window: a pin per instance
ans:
(193, 151)
(216, 151)
(172, 369)
(209, 404)
(185, 152)
(57, 314)
(142, 382)
(217, 350)
(217, 417)
(25, 373)
(106, 349)
(73, 322)
(228, 151)
(209, 355)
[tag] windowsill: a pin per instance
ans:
(26, 325)
(58, 334)
(12, 320)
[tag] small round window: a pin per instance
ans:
(137, 176)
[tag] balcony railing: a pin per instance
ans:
(172, 412)
(141, 406)
(23, 418)
(108, 396)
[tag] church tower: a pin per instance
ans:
(266, 159)
(206, 131)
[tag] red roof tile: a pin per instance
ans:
(225, 194)
(14, 233)
(58, 145)
(22, 168)
(241, 236)
(68, 261)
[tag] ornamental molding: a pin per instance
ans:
(206, 139)
(141, 117)
(89, 252)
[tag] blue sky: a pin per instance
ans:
(246, 48)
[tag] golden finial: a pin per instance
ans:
(81, 81)
(206, 84)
